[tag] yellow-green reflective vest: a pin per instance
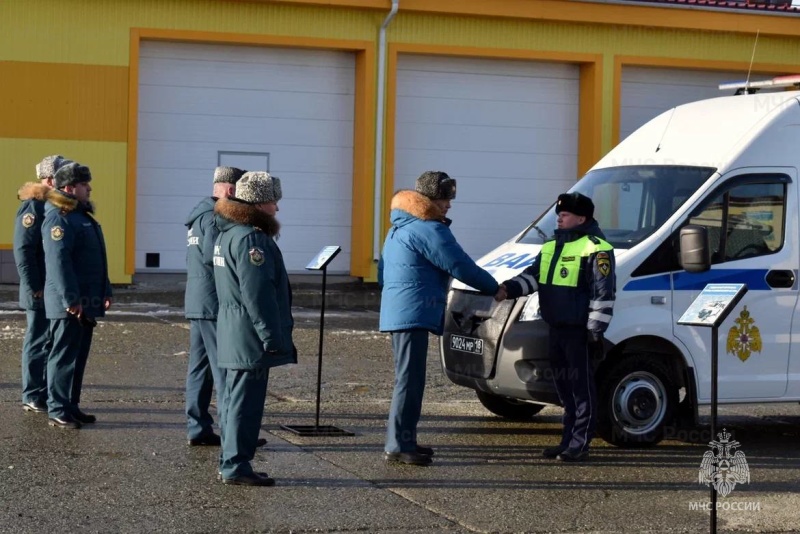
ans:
(568, 265)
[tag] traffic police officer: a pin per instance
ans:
(77, 289)
(200, 305)
(574, 274)
(29, 258)
(254, 323)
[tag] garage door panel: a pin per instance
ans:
(162, 158)
(169, 236)
(273, 131)
(486, 112)
(246, 54)
(480, 87)
(248, 103)
(291, 78)
(485, 138)
(462, 164)
(646, 92)
(294, 105)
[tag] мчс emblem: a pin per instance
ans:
(56, 233)
(721, 467)
(604, 263)
(28, 219)
(744, 337)
(564, 272)
(256, 256)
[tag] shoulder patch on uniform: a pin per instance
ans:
(256, 256)
(56, 233)
(28, 219)
(604, 263)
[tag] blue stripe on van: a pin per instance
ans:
(754, 278)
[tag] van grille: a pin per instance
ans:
(474, 316)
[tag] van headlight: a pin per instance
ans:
(530, 311)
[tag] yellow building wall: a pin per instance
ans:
(64, 67)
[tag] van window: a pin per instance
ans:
(630, 202)
(744, 220)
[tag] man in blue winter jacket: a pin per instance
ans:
(77, 290)
(200, 305)
(419, 256)
(574, 275)
(29, 258)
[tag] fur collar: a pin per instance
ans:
(66, 202)
(243, 213)
(33, 190)
(417, 205)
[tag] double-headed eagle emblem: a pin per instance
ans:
(723, 467)
(744, 337)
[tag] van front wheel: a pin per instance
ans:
(509, 408)
(637, 399)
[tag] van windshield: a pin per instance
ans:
(630, 202)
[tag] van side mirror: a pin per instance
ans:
(695, 254)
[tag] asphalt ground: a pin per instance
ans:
(133, 472)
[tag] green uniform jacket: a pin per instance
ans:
(28, 248)
(254, 321)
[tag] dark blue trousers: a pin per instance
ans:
(245, 394)
(410, 348)
(574, 380)
(66, 337)
(201, 377)
(87, 332)
(35, 349)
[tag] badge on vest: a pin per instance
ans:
(28, 219)
(604, 263)
(564, 272)
(256, 256)
(56, 233)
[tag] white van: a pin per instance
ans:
(729, 164)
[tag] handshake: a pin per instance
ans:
(501, 294)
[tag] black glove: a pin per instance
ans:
(596, 346)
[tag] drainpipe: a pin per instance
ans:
(378, 211)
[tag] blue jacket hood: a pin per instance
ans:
(206, 205)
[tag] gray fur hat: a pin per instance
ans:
(257, 187)
(436, 185)
(227, 175)
(48, 166)
(71, 173)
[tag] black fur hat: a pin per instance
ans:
(436, 185)
(576, 204)
(70, 174)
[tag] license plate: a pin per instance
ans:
(466, 344)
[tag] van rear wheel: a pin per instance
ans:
(637, 399)
(509, 408)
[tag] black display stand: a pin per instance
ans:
(320, 263)
(711, 307)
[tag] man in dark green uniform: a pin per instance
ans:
(200, 305)
(29, 258)
(574, 274)
(254, 322)
(77, 290)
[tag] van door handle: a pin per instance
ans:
(780, 278)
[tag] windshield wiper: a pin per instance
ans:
(539, 231)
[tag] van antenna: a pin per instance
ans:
(658, 147)
(750, 68)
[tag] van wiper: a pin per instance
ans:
(539, 231)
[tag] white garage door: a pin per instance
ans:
(647, 91)
(507, 131)
(288, 111)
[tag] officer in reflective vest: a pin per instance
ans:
(574, 274)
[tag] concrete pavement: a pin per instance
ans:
(132, 471)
